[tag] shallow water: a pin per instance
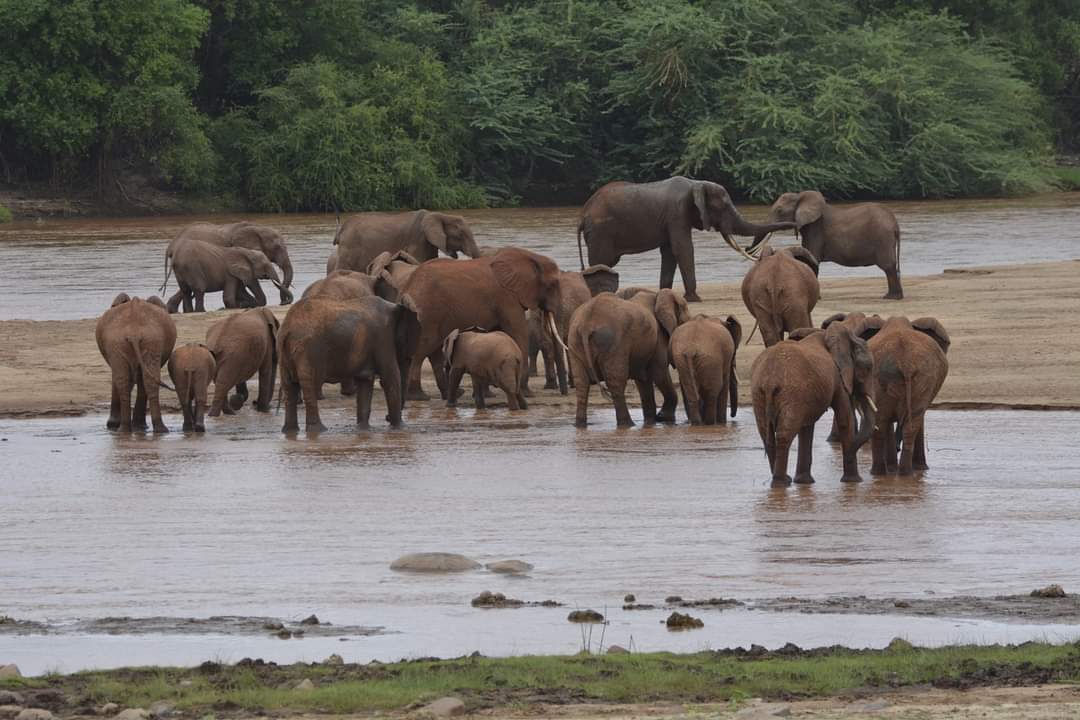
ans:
(62, 269)
(244, 521)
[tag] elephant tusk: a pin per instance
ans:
(756, 252)
(738, 248)
(870, 402)
(555, 331)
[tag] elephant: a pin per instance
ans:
(856, 236)
(192, 369)
(575, 289)
(489, 358)
(390, 271)
(488, 292)
(324, 340)
(781, 290)
(625, 218)
(862, 326)
(248, 235)
(420, 233)
(795, 381)
(703, 352)
(243, 344)
(342, 285)
(613, 340)
(136, 338)
(910, 366)
(203, 267)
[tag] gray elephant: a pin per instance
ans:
(203, 267)
(856, 236)
(421, 234)
(248, 235)
(626, 218)
(243, 344)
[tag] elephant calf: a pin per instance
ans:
(781, 290)
(703, 351)
(192, 369)
(243, 344)
(613, 340)
(489, 358)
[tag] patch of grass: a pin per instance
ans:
(1067, 177)
(487, 682)
(5, 215)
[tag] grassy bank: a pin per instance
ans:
(706, 677)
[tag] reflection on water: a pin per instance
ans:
(58, 269)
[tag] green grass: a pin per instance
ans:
(485, 682)
(1067, 177)
(5, 215)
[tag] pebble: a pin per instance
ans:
(161, 709)
(10, 711)
(334, 659)
(510, 567)
(443, 707)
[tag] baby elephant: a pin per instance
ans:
(703, 351)
(192, 368)
(489, 358)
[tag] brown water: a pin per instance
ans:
(243, 521)
(61, 269)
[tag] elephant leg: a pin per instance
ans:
(919, 460)
(348, 388)
(479, 392)
(393, 391)
(896, 291)
(891, 445)
(453, 384)
(266, 384)
(257, 292)
(200, 407)
(312, 422)
(365, 388)
(617, 388)
(415, 391)
(183, 393)
(438, 369)
(138, 415)
(581, 392)
(684, 256)
(781, 449)
(770, 334)
(667, 266)
(114, 407)
(691, 401)
(292, 400)
(878, 438)
(151, 380)
(907, 449)
(517, 328)
(200, 305)
(648, 402)
(238, 398)
(173, 304)
(550, 354)
(667, 390)
(806, 456)
(123, 389)
(713, 407)
(221, 394)
(834, 432)
(560, 371)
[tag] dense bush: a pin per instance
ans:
(325, 104)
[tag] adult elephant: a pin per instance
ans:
(856, 236)
(614, 340)
(491, 292)
(342, 285)
(203, 267)
(781, 290)
(136, 338)
(248, 235)
(626, 218)
(420, 233)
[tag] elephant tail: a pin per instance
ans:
(590, 367)
(691, 386)
(897, 235)
(772, 413)
(137, 350)
(168, 271)
(580, 230)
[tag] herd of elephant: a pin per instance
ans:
(388, 303)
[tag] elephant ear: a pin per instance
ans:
(628, 293)
(432, 228)
(519, 274)
(809, 208)
(934, 329)
(121, 299)
(666, 309)
(380, 263)
(600, 278)
(241, 265)
(801, 333)
(804, 256)
(156, 302)
(701, 203)
(838, 317)
(734, 328)
(840, 342)
(871, 326)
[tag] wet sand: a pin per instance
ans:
(1008, 348)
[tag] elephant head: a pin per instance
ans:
(532, 279)
(863, 326)
(271, 243)
(855, 366)
(449, 233)
(712, 209)
(934, 329)
(600, 278)
(801, 208)
(670, 310)
(390, 271)
(156, 301)
(249, 266)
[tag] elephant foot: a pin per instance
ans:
(665, 416)
(833, 437)
(526, 391)
(213, 412)
(893, 296)
(851, 478)
(290, 428)
(920, 466)
(236, 402)
(579, 423)
(692, 297)
(188, 427)
(395, 423)
(804, 479)
(228, 409)
(160, 429)
(878, 469)
(781, 480)
(200, 428)
(522, 405)
(906, 470)
(112, 424)
(122, 428)
(286, 297)
(262, 407)
(363, 426)
(625, 423)
(417, 395)
(550, 385)
(314, 427)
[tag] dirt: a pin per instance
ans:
(1008, 348)
(1017, 608)
(215, 625)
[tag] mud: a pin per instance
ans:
(1007, 608)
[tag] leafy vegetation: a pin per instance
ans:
(702, 677)
(327, 104)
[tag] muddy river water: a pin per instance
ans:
(63, 269)
(136, 550)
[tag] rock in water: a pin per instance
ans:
(434, 563)
(680, 621)
(509, 567)
(585, 616)
(1050, 591)
(444, 707)
(310, 620)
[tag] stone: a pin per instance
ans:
(763, 712)
(681, 621)
(334, 659)
(1050, 591)
(34, 714)
(443, 707)
(435, 562)
(617, 650)
(107, 709)
(133, 714)
(161, 709)
(9, 697)
(629, 598)
(8, 671)
(509, 567)
(310, 620)
(305, 685)
(585, 616)
(672, 599)
(901, 603)
(10, 711)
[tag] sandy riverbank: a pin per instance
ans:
(1006, 322)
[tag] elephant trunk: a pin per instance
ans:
(470, 248)
(285, 264)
